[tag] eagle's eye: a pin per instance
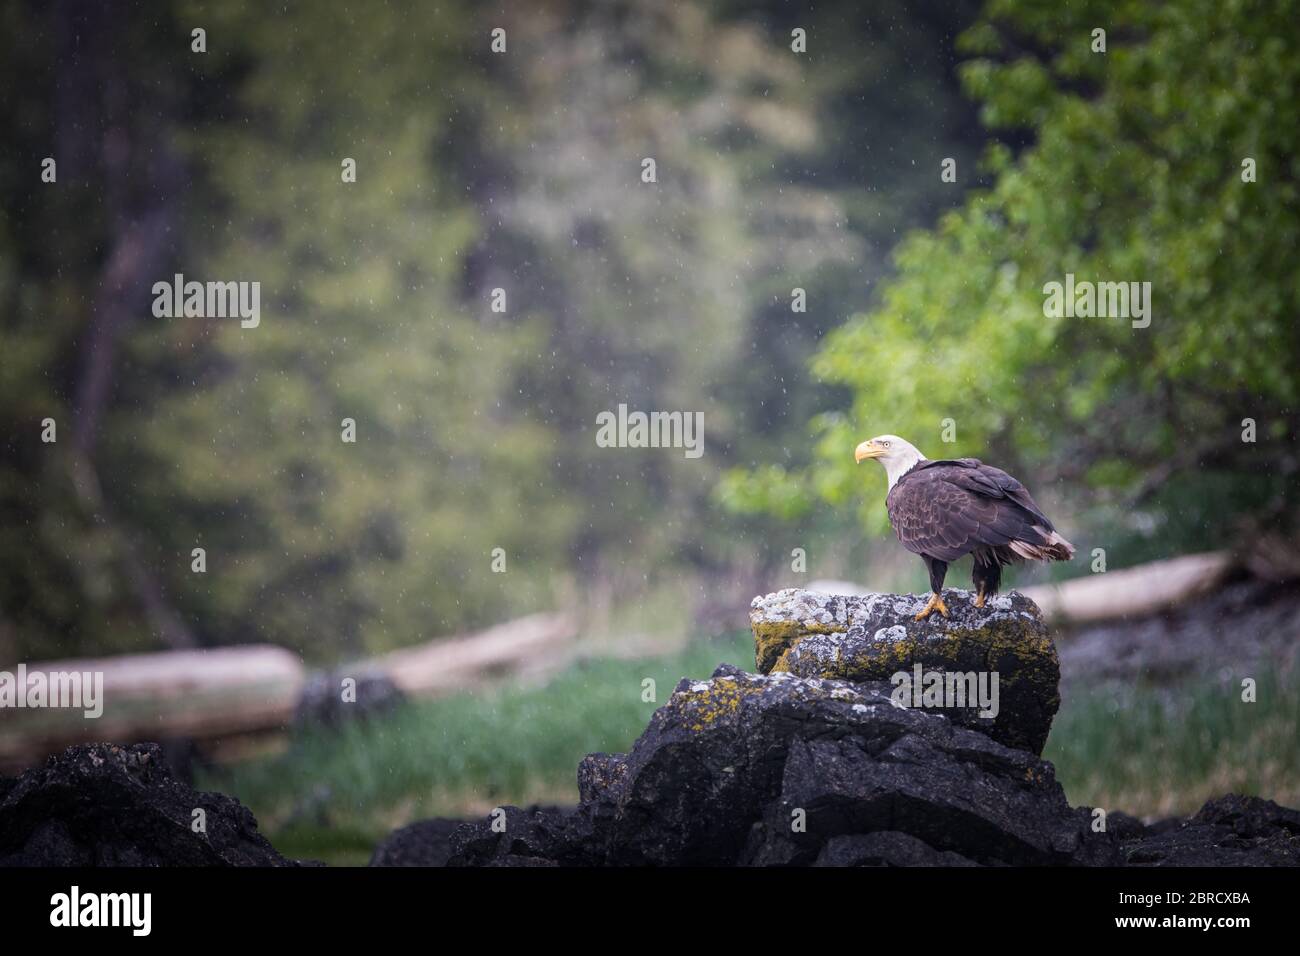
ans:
(885, 443)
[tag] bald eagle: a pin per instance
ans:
(943, 510)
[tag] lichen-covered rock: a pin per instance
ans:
(1004, 646)
(752, 769)
(106, 805)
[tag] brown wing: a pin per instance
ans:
(989, 482)
(947, 509)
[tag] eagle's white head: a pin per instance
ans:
(898, 455)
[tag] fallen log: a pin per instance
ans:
(1132, 592)
(525, 647)
(225, 693)
(197, 694)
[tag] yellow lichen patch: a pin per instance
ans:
(717, 699)
(878, 662)
(989, 644)
(772, 639)
(1021, 643)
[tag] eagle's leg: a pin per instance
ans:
(938, 571)
(986, 575)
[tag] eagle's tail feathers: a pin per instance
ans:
(1050, 547)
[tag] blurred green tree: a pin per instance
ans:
(1135, 173)
(317, 543)
(475, 172)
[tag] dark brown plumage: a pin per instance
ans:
(946, 509)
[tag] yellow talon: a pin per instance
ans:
(935, 604)
(979, 598)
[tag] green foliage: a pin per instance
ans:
(1134, 174)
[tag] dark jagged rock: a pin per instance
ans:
(875, 637)
(1230, 831)
(1126, 827)
(728, 765)
(424, 843)
(107, 805)
(537, 836)
(886, 848)
(535, 833)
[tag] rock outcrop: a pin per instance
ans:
(106, 805)
(874, 638)
(813, 762)
(777, 770)
(1230, 831)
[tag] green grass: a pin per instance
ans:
(1162, 751)
(335, 793)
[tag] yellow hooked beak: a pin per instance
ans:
(868, 449)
